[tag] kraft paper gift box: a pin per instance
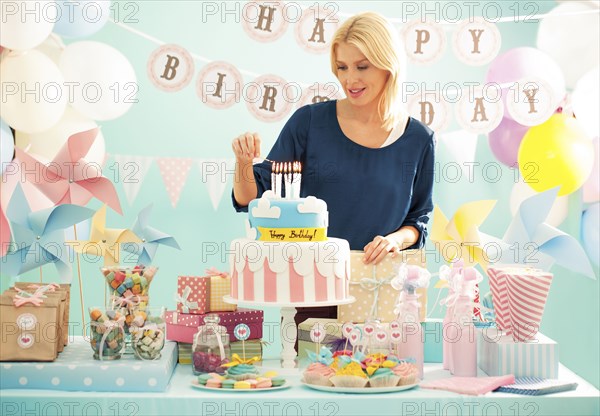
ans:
(193, 294)
(76, 370)
(30, 327)
(500, 355)
(182, 327)
(370, 285)
(254, 348)
(65, 287)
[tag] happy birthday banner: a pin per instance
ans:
(478, 108)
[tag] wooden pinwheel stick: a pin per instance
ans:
(41, 275)
(81, 284)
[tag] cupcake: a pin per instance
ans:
(319, 374)
(384, 377)
(242, 372)
(408, 373)
(352, 375)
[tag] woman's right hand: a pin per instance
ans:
(246, 147)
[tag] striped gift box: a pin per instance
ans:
(500, 355)
(220, 286)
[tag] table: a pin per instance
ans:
(181, 399)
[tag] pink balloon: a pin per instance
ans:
(518, 63)
(591, 188)
(505, 141)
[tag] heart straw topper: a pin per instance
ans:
(242, 333)
(369, 330)
(317, 335)
(347, 328)
(355, 337)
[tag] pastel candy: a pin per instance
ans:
(136, 278)
(242, 385)
(114, 284)
(136, 289)
(113, 344)
(95, 314)
(110, 276)
(128, 293)
(128, 282)
(119, 276)
(121, 289)
(111, 314)
(138, 321)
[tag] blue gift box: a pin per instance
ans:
(499, 355)
(75, 369)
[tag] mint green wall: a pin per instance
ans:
(179, 125)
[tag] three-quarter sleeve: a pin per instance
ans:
(422, 202)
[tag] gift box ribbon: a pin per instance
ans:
(373, 285)
(214, 272)
(23, 298)
(183, 299)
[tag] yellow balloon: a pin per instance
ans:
(556, 153)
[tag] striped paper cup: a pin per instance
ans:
(527, 295)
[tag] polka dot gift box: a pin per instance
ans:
(76, 370)
(193, 294)
(371, 286)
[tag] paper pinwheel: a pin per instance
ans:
(533, 243)
(39, 237)
(104, 242)
(151, 239)
(69, 179)
(460, 237)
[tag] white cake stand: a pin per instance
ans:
(288, 312)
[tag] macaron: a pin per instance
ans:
(242, 385)
(270, 374)
(227, 384)
(263, 383)
(215, 383)
(277, 381)
(203, 378)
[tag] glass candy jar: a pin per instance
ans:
(211, 347)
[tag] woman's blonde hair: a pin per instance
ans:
(375, 37)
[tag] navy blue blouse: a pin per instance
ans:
(369, 192)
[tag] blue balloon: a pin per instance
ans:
(81, 18)
(590, 232)
(7, 146)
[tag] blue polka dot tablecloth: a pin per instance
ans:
(75, 369)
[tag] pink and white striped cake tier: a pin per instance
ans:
(290, 272)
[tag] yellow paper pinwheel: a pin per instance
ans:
(237, 360)
(105, 242)
(460, 237)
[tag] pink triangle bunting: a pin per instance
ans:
(174, 172)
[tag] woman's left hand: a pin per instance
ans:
(380, 247)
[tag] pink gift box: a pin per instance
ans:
(193, 294)
(182, 327)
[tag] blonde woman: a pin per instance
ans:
(363, 155)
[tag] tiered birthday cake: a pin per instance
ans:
(286, 256)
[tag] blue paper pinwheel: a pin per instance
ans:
(151, 238)
(39, 237)
(533, 243)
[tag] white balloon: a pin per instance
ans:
(586, 104)
(572, 40)
(25, 24)
(105, 84)
(52, 47)
(46, 144)
(521, 191)
(33, 96)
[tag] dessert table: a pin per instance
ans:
(181, 399)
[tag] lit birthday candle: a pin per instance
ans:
(278, 179)
(287, 177)
(273, 179)
(299, 180)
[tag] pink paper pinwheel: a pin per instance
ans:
(38, 237)
(69, 179)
